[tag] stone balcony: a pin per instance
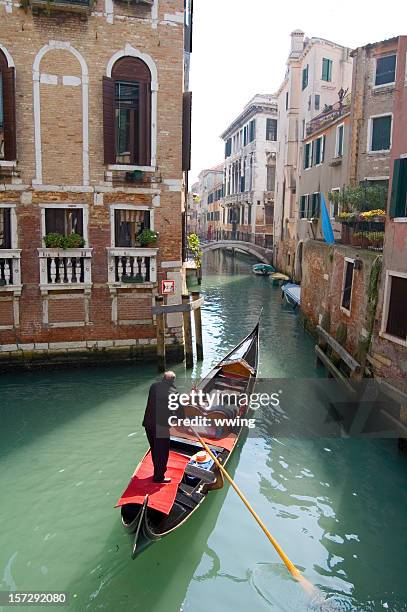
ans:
(132, 267)
(10, 270)
(65, 269)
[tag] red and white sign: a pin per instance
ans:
(167, 287)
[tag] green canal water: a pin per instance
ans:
(69, 441)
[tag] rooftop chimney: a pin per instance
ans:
(297, 42)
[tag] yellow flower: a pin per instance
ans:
(373, 213)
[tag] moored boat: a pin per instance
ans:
(292, 294)
(278, 279)
(263, 269)
(150, 510)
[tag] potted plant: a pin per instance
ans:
(147, 238)
(378, 215)
(73, 241)
(54, 240)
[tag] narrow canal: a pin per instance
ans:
(69, 441)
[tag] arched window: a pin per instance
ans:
(7, 111)
(127, 113)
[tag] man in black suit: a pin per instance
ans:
(156, 424)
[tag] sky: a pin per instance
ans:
(240, 48)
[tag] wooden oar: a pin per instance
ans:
(289, 564)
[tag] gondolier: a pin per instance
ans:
(150, 512)
(156, 424)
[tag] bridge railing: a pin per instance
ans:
(262, 240)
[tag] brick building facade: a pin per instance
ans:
(388, 354)
(93, 110)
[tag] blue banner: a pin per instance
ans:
(327, 230)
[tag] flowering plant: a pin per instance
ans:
(369, 214)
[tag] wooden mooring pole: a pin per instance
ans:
(160, 310)
(186, 315)
(159, 301)
(198, 327)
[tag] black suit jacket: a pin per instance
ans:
(157, 412)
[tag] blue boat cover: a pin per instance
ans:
(292, 292)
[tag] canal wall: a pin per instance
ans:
(322, 293)
(86, 353)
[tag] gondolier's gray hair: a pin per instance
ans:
(169, 375)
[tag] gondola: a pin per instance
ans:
(151, 511)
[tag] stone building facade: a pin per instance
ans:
(317, 69)
(92, 128)
(209, 181)
(249, 170)
(323, 170)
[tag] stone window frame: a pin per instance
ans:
(370, 133)
(130, 51)
(125, 206)
(331, 207)
(66, 205)
(386, 304)
(391, 83)
(304, 209)
(13, 223)
(337, 154)
(347, 260)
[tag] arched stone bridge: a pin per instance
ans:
(265, 255)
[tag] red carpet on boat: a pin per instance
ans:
(161, 496)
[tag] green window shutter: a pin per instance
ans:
(317, 146)
(395, 188)
(326, 69)
(381, 130)
(305, 77)
(398, 201)
(324, 74)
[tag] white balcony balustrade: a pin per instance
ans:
(10, 269)
(135, 266)
(65, 268)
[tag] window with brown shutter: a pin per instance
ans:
(127, 113)
(7, 111)
(5, 228)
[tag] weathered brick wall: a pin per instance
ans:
(61, 121)
(388, 358)
(368, 101)
(96, 38)
(322, 286)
